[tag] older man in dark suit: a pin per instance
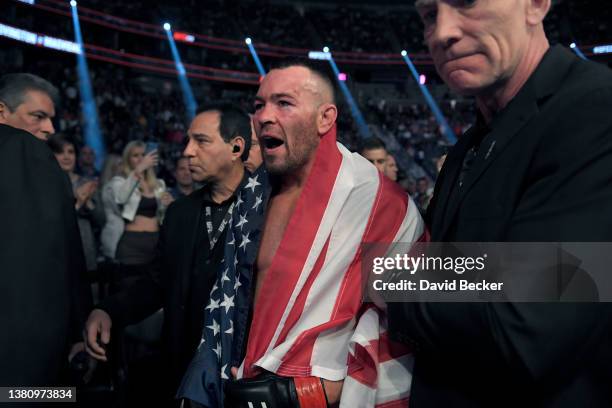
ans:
(44, 297)
(535, 167)
(190, 247)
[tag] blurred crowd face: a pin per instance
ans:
(285, 119)
(476, 45)
(135, 157)
(210, 157)
(391, 168)
(378, 157)
(182, 173)
(87, 157)
(66, 158)
(34, 115)
(422, 186)
(255, 159)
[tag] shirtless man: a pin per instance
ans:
(294, 107)
(297, 353)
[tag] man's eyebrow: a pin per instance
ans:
(40, 112)
(276, 96)
(199, 135)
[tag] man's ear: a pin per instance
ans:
(326, 117)
(4, 112)
(237, 146)
(536, 11)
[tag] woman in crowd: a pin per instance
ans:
(139, 199)
(90, 212)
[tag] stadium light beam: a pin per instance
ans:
(188, 98)
(448, 132)
(577, 51)
(260, 68)
(93, 136)
(364, 130)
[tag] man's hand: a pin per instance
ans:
(99, 325)
(75, 349)
(166, 199)
(333, 389)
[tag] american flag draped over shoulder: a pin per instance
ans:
(226, 313)
(315, 324)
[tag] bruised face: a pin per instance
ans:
(476, 45)
(66, 158)
(210, 157)
(33, 115)
(285, 119)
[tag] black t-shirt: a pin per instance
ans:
(205, 266)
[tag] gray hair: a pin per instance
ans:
(13, 88)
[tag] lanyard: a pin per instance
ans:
(212, 239)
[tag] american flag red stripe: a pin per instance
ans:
(307, 319)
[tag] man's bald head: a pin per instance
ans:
(320, 83)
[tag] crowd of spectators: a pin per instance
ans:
(129, 109)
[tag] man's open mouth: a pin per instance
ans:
(270, 142)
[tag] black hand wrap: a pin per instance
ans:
(269, 389)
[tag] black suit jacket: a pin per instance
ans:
(543, 173)
(44, 295)
(167, 285)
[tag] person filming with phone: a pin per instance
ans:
(137, 195)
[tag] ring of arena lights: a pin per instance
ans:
(266, 49)
(276, 51)
(113, 56)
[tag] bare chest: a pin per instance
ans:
(278, 214)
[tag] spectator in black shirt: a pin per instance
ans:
(184, 182)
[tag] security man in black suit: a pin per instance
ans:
(184, 271)
(536, 166)
(44, 295)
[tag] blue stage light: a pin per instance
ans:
(420, 80)
(362, 126)
(188, 97)
(577, 51)
(93, 135)
(602, 49)
(404, 53)
(73, 3)
(260, 68)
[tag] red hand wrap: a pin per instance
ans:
(310, 392)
